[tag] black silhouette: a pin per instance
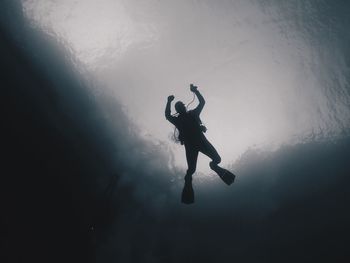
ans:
(191, 134)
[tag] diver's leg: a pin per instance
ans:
(191, 157)
(208, 149)
(187, 196)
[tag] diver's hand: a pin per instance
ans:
(171, 98)
(193, 88)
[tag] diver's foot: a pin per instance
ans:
(227, 177)
(224, 174)
(187, 196)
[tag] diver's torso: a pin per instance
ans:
(189, 128)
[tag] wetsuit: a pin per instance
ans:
(191, 135)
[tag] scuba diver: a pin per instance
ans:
(191, 135)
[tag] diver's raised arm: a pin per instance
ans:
(201, 100)
(168, 110)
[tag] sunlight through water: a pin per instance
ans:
(272, 73)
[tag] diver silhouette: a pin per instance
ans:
(191, 135)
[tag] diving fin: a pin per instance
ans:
(224, 174)
(187, 196)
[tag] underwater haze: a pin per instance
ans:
(92, 173)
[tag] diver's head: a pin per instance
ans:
(180, 107)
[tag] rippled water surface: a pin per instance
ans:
(272, 72)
